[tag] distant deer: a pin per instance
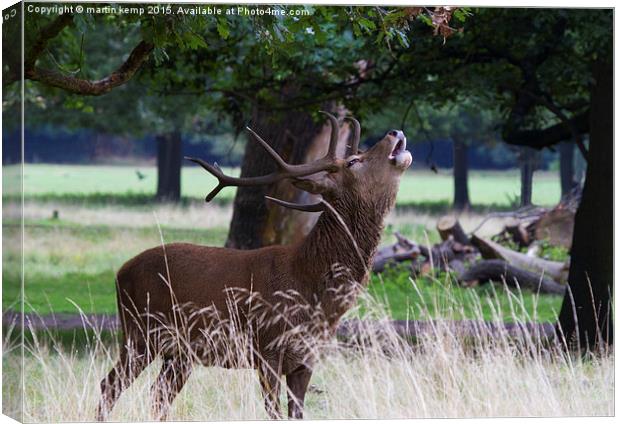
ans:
(329, 265)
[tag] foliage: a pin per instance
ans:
(211, 73)
(553, 253)
(225, 64)
(536, 64)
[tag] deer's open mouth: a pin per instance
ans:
(400, 156)
(398, 148)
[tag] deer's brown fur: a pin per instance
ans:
(325, 271)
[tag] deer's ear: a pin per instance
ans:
(315, 184)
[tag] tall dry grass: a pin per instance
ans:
(444, 373)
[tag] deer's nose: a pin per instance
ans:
(397, 134)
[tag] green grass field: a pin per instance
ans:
(73, 259)
(418, 187)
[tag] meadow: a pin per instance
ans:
(487, 188)
(82, 223)
(74, 242)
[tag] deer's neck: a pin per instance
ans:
(346, 240)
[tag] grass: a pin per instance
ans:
(442, 375)
(96, 243)
(442, 297)
(121, 184)
(83, 267)
(106, 216)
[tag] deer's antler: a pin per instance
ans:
(357, 131)
(315, 207)
(285, 170)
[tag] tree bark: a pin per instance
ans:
(527, 175)
(567, 172)
(461, 190)
(585, 320)
(169, 156)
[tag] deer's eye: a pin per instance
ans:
(352, 162)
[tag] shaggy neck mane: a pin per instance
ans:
(329, 244)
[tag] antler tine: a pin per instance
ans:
(357, 132)
(316, 207)
(326, 163)
(333, 141)
(227, 181)
(213, 170)
(283, 165)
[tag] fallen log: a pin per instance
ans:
(400, 251)
(498, 270)
(449, 225)
(525, 215)
(440, 255)
(558, 271)
(457, 266)
(381, 263)
(448, 255)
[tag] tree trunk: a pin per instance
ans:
(169, 156)
(459, 157)
(528, 157)
(250, 209)
(585, 319)
(297, 138)
(567, 180)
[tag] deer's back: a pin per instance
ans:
(198, 275)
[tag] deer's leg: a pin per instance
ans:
(130, 364)
(172, 377)
(297, 383)
(270, 384)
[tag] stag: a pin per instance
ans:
(190, 286)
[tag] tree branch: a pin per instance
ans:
(540, 139)
(546, 100)
(46, 34)
(94, 88)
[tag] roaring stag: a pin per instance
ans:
(173, 299)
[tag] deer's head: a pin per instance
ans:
(361, 174)
(373, 174)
